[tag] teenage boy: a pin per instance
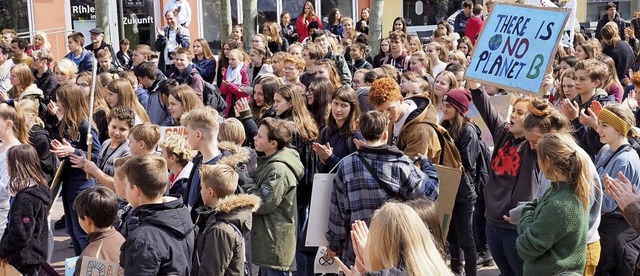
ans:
(474, 24)
(411, 127)
(149, 78)
(355, 184)
(357, 54)
(186, 72)
(80, 56)
(293, 66)
(97, 43)
(611, 15)
(105, 62)
(398, 57)
(170, 38)
(97, 209)
(141, 53)
(162, 242)
(43, 75)
(322, 38)
(178, 154)
(223, 221)
(19, 48)
(310, 53)
(202, 126)
(121, 120)
(274, 223)
(460, 23)
(589, 76)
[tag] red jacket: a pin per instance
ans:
(301, 27)
(474, 25)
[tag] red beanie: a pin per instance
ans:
(460, 99)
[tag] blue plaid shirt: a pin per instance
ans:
(356, 194)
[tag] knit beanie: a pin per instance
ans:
(610, 118)
(460, 99)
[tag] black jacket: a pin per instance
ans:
(468, 143)
(125, 60)
(46, 83)
(605, 19)
(102, 46)
(40, 140)
(25, 242)
(623, 56)
(162, 242)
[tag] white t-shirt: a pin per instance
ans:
(411, 106)
(172, 45)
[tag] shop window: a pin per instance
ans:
(294, 7)
(345, 7)
(14, 15)
(428, 12)
(138, 21)
(210, 15)
(267, 12)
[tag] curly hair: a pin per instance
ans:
(176, 144)
(383, 90)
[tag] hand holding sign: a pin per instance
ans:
(516, 45)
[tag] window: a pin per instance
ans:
(345, 7)
(14, 15)
(210, 15)
(428, 12)
(294, 7)
(138, 22)
(267, 12)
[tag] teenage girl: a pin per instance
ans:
(121, 93)
(13, 132)
(24, 243)
(70, 137)
(512, 177)
(549, 247)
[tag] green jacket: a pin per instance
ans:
(273, 237)
(553, 233)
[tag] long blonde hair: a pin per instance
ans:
(75, 110)
(557, 154)
(397, 236)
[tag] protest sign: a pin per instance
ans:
(502, 104)
(516, 46)
(319, 209)
(92, 266)
(449, 183)
(167, 130)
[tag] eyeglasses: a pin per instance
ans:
(256, 41)
(288, 68)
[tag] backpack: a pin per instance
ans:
(482, 168)
(449, 154)
(210, 94)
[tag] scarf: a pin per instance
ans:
(233, 75)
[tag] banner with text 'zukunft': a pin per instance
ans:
(516, 46)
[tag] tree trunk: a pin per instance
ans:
(249, 21)
(102, 18)
(375, 25)
(225, 19)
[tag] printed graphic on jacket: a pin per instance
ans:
(507, 160)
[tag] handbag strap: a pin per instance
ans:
(373, 173)
(624, 147)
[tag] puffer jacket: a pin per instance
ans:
(162, 243)
(220, 248)
(274, 223)
(417, 136)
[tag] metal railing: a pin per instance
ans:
(57, 37)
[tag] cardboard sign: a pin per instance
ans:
(92, 266)
(322, 265)
(516, 46)
(449, 183)
(167, 130)
(319, 209)
(9, 270)
(502, 104)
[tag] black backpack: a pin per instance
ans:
(483, 162)
(210, 94)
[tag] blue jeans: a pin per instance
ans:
(502, 243)
(69, 194)
(270, 272)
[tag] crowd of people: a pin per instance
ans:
(232, 192)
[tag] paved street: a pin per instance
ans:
(62, 251)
